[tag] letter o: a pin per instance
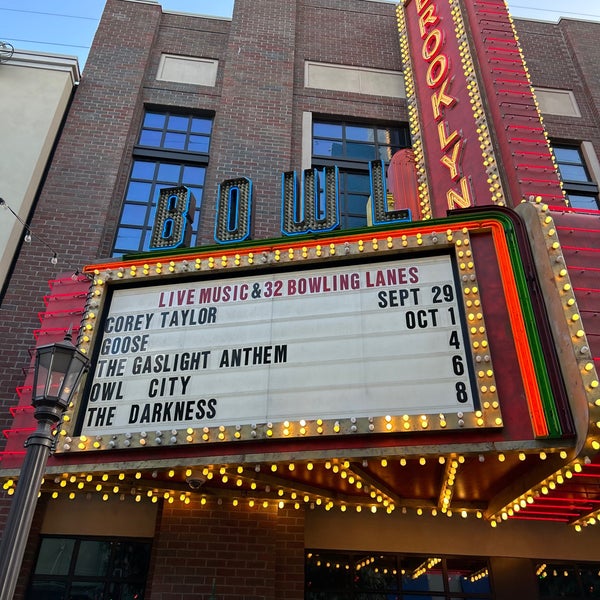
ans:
(429, 50)
(437, 70)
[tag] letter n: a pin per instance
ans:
(316, 207)
(234, 210)
(173, 223)
(380, 201)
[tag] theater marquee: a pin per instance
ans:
(391, 332)
(349, 341)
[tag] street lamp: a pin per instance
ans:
(58, 370)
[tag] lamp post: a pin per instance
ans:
(58, 370)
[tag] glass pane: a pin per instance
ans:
(326, 148)
(573, 173)
(330, 596)
(47, 590)
(422, 574)
(146, 235)
(150, 138)
(193, 175)
(168, 173)
(127, 591)
(155, 120)
(133, 214)
(130, 560)
(355, 182)
(331, 130)
(197, 198)
(128, 239)
(581, 201)
(356, 204)
(92, 558)
(361, 134)
(387, 136)
(590, 579)
(198, 143)
(379, 575)
(152, 214)
(360, 151)
(385, 153)
(351, 222)
(54, 557)
(568, 155)
(201, 125)
(178, 123)
(328, 571)
(138, 191)
(143, 170)
(82, 590)
(468, 575)
(557, 581)
(174, 141)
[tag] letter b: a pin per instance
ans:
(174, 213)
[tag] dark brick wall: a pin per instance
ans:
(566, 56)
(248, 553)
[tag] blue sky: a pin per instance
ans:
(68, 26)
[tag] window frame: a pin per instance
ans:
(108, 579)
(348, 165)
(159, 156)
(575, 187)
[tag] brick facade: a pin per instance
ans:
(257, 103)
(243, 553)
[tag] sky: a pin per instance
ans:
(68, 26)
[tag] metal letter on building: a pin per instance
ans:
(316, 208)
(234, 208)
(174, 214)
(379, 205)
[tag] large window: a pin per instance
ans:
(331, 575)
(172, 150)
(90, 568)
(568, 581)
(581, 191)
(351, 146)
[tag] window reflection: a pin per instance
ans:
(90, 569)
(351, 146)
(357, 576)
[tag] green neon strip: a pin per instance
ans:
(535, 344)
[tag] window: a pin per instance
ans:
(74, 567)
(334, 575)
(568, 580)
(581, 191)
(172, 150)
(351, 146)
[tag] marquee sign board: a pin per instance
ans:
(359, 334)
(343, 342)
